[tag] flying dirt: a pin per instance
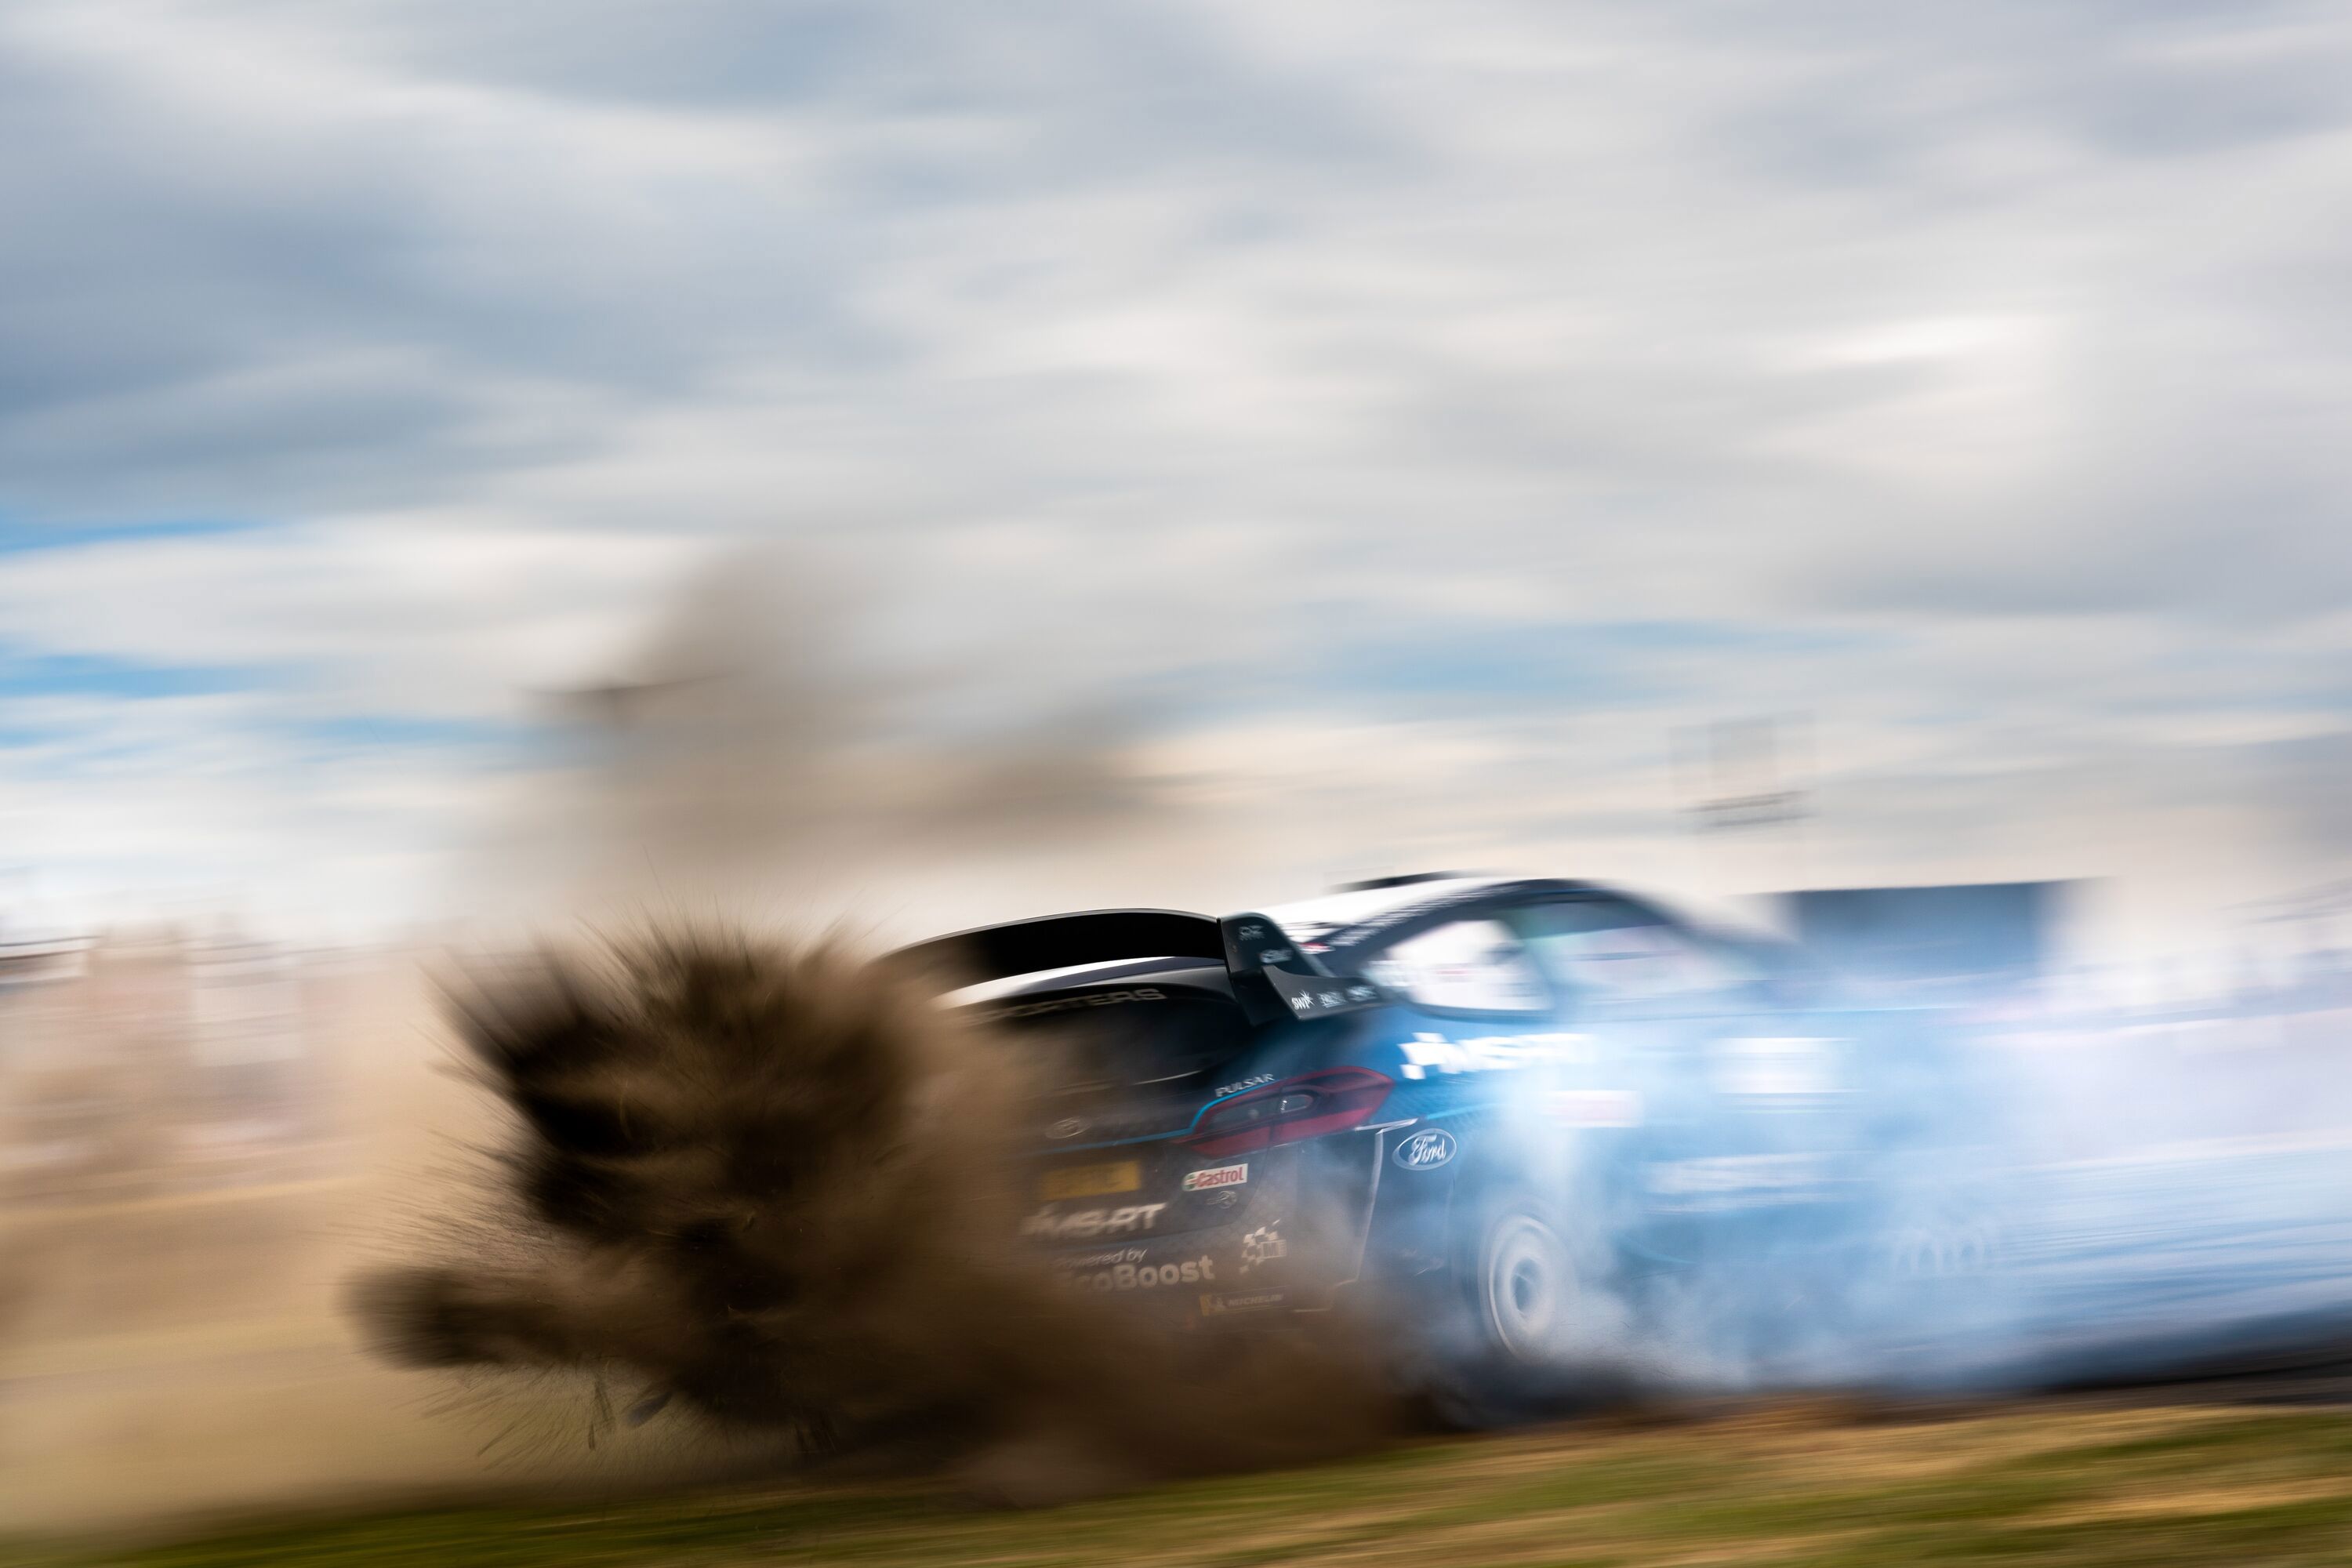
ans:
(771, 1186)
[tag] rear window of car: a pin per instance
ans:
(1475, 965)
(1607, 951)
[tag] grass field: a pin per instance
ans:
(1798, 1484)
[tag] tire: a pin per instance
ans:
(1522, 1345)
(1525, 1290)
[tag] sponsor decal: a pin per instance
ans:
(1250, 1082)
(1085, 1225)
(1215, 1305)
(1262, 1246)
(1425, 1053)
(1146, 1275)
(1249, 933)
(1216, 1176)
(1110, 1259)
(1068, 1127)
(1424, 1151)
(1725, 1182)
(1068, 1004)
(1596, 1106)
(1355, 993)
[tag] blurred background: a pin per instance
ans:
(473, 473)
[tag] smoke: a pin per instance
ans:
(771, 1186)
(1938, 1200)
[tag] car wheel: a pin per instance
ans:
(1524, 1344)
(1525, 1289)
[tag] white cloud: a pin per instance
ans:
(1975, 373)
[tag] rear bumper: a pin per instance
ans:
(1323, 1218)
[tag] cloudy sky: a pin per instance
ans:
(1389, 428)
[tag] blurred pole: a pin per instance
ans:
(1734, 790)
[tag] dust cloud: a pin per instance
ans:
(773, 1188)
(764, 754)
(209, 1136)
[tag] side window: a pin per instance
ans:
(1614, 955)
(1476, 965)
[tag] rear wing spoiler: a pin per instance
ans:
(1262, 959)
(1272, 976)
(1065, 941)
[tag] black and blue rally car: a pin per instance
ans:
(1493, 1108)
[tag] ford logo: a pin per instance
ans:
(1424, 1151)
(1068, 1127)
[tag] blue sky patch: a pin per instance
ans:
(1594, 664)
(399, 731)
(24, 674)
(19, 537)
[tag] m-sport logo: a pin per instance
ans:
(1424, 1151)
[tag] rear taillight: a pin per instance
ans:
(1309, 1107)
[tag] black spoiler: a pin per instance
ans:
(1272, 978)
(1064, 942)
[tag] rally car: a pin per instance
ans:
(1494, 1108)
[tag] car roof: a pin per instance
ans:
(1303, 921)
(1308, 917)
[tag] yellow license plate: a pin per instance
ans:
(1091, 1181)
